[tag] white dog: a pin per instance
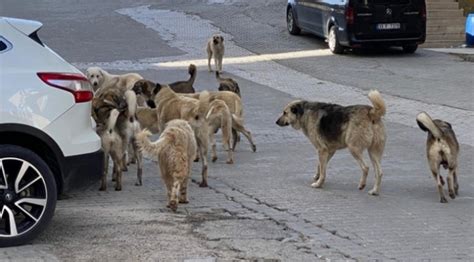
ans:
(100, 78)
(215, 48)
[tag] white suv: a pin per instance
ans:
(47, 141)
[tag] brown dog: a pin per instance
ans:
(219, 116)
(227, 84)
(331, 127)
(175, 151)
(215, 48)
(442, 148)
(148, 119)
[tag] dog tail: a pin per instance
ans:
(203, 103)
(131, 99)
(379, 108)
(114, 114)
(192, 74)
(426, 124)
(148, 147)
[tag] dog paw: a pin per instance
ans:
(316, 185)
(118, 188)
(452, 195)
(361, 187)
(373, 192)
(203, 184)
(183, 201)
(173, 205)
(196, 159)
(125, 169)
(138, 184)
(214, 158)
(254, 148)
(230, 161)
(443, 200)
(103, 188)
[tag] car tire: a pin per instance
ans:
(409, 49)
(291, 25)
(333, 41)
(27, 195)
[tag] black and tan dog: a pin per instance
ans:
(331, 127)
(227, 84)
(442, 148)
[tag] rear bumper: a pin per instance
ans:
(80, 171)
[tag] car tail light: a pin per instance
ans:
(77, 84)
(350, 15)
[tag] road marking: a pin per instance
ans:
(190, 33)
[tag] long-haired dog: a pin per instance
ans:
(100, 78)
(111, 145)
(126, 125)
(215, 48)
(169, 106)
(331, 127)
(175, 151)
(227, 84)
(219, 116)
(442, 148)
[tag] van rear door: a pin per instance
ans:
(388, 19)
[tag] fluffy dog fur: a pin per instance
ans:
(234, 104)
(172, 106)
(227, 84)
(112, 145)
(215, 48)
(331, 127)
(126, 125)
(442, 148)
(219, 116)
(175, 151)
(100, 78)
(148, 119)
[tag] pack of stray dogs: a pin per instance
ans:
(129, 109)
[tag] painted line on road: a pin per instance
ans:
(190, 33)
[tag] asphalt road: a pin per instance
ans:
(262, 207)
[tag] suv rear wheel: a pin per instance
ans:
(333, 41)
(291, 23)
(27, 195)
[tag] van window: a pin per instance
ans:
(4, 45)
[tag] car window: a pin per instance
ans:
(4, 45)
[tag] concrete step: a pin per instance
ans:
(446, 36)
(445, 43)
(440, 1)
(442, 5)
(445, 13)
(446, 21)
(451, 29)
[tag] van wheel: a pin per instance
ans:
(333, 41)
(27, 195)
(293, 29)
(409, 49)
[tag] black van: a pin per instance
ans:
(358, 23)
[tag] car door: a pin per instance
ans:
(302, 13)
(315, 13)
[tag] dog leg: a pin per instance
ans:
(216, 63)
(103, 184)
(209, 56)
(235, 138)
(118, 164)
(358, 155)
(230, 156)
(451, 189)
(323, 161)
(435, 172)
(238, 125)
(202, 146)
(220, 63)
(175, 189)
(316, 177)
(212, 141)
(138, 156)
(456, 185)
(183, 192)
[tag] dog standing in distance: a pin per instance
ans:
(175, 151)
(331, 127)
(215, 48)
(442, 148)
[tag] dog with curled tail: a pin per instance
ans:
(175, 151)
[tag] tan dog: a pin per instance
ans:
(227, 84)
(233, 101)
(148, 119)
(331, 127)
(442, 148)
(111, 145)
(219, 116)
(175, 151)
(215, 48)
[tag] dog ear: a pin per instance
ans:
(297, 109)
(222, 39)
(157, 88)
(151, 103)
(422, 127)
(101, 73)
